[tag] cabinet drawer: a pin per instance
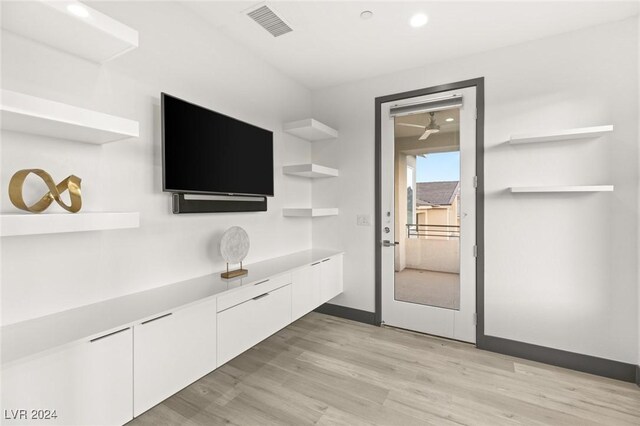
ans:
(171, 352)
(331, 278)
(90, 383)
(250, 291)
(242, 326)
(305, 290)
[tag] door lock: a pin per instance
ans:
(387, 243)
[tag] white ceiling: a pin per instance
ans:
(331, 45)
(423, 119)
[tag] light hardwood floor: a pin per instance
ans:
(324, 370)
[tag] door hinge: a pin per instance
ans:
(475, 181)
(475, 318)
(475, 251)
(475, 115)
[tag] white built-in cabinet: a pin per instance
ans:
(242, 326)
(315, 284)
(305, 290)
(172, 351)
(85, 384)
(164, 340)
(331, 278)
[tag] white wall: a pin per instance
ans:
(178, 54)
(560, 269)
(433, 254)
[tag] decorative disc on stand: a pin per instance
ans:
(234, 247)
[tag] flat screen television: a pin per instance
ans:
(205, 152)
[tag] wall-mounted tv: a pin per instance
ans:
(205, 152)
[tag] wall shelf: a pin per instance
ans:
(13, 224)
(578, 188)
(70, 26)
(579, 133)
(310, 171)
(310, 212)
(30, 114)
(310, 129)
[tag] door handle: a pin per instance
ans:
(261, 296)
(108, 335)
(387, 243)
(155, 319)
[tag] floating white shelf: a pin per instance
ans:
(30, 114)
(580, 133)
(310, 212)
(310, 129)
(70, 26)
(12, 224)
(310, 171)
(579, 188)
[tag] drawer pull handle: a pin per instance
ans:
(156, 318)
(326, 260)
(317, 263)
(261, 282)
(261, 296)
(108, 335)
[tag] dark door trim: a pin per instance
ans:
(478, 83)
(586, 363)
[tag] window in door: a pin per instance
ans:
(428, 263)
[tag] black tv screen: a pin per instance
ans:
(205, 152)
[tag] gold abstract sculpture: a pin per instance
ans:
(71, 183)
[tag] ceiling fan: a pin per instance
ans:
(430, 128)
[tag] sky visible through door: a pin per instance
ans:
(438, 167)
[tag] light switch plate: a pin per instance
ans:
(363, 220)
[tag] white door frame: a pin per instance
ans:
(478, 84)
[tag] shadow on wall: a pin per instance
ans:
(213, 247)
(156, 147)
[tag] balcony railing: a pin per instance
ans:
(443, 231)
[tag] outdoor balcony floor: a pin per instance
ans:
(440, 289)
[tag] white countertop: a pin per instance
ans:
(39, 335)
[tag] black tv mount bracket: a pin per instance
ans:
(218, 204)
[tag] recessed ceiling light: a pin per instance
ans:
(367, 14)
(79, 10)
(418, 20)
(449, 119)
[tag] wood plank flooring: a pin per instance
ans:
(324, 370)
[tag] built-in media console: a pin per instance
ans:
(108, 362)
(205, 152)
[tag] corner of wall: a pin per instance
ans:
(638, 240)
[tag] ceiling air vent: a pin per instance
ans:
(269, 21)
